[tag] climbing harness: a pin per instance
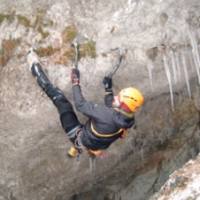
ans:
(78, 148)
(118, 63)
(98, 153)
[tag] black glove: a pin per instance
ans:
(107, 84)
(75, 76)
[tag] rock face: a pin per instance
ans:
(161, 58)
(183, 184)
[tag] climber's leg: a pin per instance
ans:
(68, 117)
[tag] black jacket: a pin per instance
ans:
(104, 118)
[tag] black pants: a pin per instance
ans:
(68, 117)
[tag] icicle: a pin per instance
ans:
(178, 66)
(150, 67)
(192, 64)
(186, 73)
(197, 68)
(195, 52)
(174, 66)
(92, 161)
(169, 80)
(199, 32)
(194, 45)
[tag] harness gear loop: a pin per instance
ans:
(76, 140)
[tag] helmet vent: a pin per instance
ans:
(129, 97)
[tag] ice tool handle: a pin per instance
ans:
(119, 62)
(74, 43)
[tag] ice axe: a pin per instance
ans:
(74, 43)
(118, 63)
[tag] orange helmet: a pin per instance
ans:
(132, 98)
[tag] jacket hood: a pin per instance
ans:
(124, 121)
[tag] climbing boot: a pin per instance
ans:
(72, 152)
(32, 57)
(36, 69)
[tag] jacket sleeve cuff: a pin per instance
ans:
(109, 90)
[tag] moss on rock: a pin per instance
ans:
(41, 31)
(88, 49)
(46, 51)
(7, 49)
(23, 20)
(10, 18)
(69, 34)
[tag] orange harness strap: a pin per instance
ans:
(96, 153)
(110, 135)
(99, 152)
(124, 134)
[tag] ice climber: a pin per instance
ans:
(106, 123)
